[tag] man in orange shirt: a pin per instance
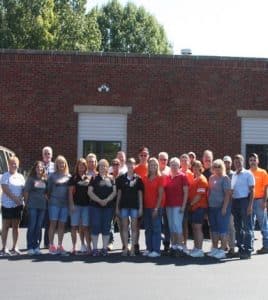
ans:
(260, 199)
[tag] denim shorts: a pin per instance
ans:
(175, 218)
(129, 212)
(197, 216)
(58, 213)
(218, 223)
(100, 220)
(80, 216)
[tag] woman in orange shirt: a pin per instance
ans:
(153, 192)
(198, 200)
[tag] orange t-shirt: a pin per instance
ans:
(199, 186)
(141, 170)
(261, 180)
(151, 188)
(189, 174)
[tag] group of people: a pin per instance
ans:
(166, 196)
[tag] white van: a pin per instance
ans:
(5, 153)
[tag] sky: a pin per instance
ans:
(236, 28)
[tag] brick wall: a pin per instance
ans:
(179, 103)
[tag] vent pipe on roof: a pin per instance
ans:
(186, 51)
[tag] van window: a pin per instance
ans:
(3, 162)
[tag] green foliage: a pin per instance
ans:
(65, 25)
(131, 29)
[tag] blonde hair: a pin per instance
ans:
(106, 163)
(57, 160)
(198, 164)
(220, 163)
(153, 159)
(175, 160)
(92, 155)
(14, 158)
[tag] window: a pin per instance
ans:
(262, 151)
(3, 162)
(103, 149)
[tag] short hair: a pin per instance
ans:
(175, 160)
(163, 154)
(208, 153)
(47, 148)
(143, 149)
(115, 160)
(131, 160)
(12, 158)
(254, 155)
(239, 157)
(192, 154)
(61, 158)
(185, 155)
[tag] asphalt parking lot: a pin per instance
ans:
(116, 277)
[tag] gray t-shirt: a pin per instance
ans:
(58, 189)
(37, 189)
(217, 188)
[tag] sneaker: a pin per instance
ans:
(220, 254)
(52, 250)
(110, 247)
(262, 251)
(31, 252)
(61, 250)
(197, 253)
(5, 252)
(73, 251)
(153, 254)
(172, 252)
(146, 253)
(186, 250)
(95, 252)
(37, 251)
(83, 248)
(15, 251)
(212, 252)
(104, 252)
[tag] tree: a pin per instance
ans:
(27, 24)
(48, 24)
(130, 29)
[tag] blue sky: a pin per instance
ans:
(211, 27)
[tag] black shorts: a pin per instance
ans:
(12, 213)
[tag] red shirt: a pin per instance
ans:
(141, 170)
(151, 189)
(174, 189)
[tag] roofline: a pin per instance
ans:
(130, 55)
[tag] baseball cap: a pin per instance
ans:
(227, 158)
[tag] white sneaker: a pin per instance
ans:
(31, 252)
(146, 253)
(154, 254)
(185, 250)
(212, 252)
(83, 249)
(220, 254)
(197, 253)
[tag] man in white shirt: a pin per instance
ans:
(243, 183)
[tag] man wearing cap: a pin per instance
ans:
(243, 184)
(260, 199)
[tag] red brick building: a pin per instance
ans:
(79, 102)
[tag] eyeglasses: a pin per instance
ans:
(116, 164)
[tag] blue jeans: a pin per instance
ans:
(261, 215)
(152, 229)
(165, 229)
(243, 225)
(100, 219)
(35, 220)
